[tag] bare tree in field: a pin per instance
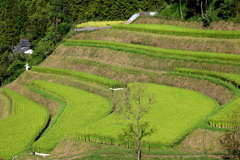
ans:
(230, 141)
(136, 105)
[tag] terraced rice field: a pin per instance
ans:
(19, 130)
(167, 117)
(99, 24)
(82, 109)
(79, 73)
(222, 118)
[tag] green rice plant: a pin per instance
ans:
(178, 31)
(82, 109)
(159, 52)
(19, 130)
(99, 24)
(80, 75)
(175, 114)
(223, 118)
(231, 78)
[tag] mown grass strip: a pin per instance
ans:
(5, 106)
(168, 118)
(80, 75)
(207, 57)
(82, 109)
(221, 117)
(178, 31)
(28, 120)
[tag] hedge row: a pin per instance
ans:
(230, 78)
(178, 31)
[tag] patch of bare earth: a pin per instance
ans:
(71, 146)
(203, 141)
(231, 46)
(28, 157)
(215, 25)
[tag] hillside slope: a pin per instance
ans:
(82, 68)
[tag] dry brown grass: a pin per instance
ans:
(129, 60)
(71, 146)
(165, 41)
(202, 140)
(217, 92)
(215, 25)
(104, 72)
(5, 106)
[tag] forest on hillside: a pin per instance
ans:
(45, 22)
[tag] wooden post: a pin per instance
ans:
(202, 10)
(180, 8)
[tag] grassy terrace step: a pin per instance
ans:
(22, 128)
(221, 118)
(231, 78)
(178, 31)
(159, 52)
(116, 68)
(82, 109)
(168, 117)
(80, 75)
(210, 79)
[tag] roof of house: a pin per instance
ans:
(16, 48)
(22, 46)
(23, 49)
(24, 43)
